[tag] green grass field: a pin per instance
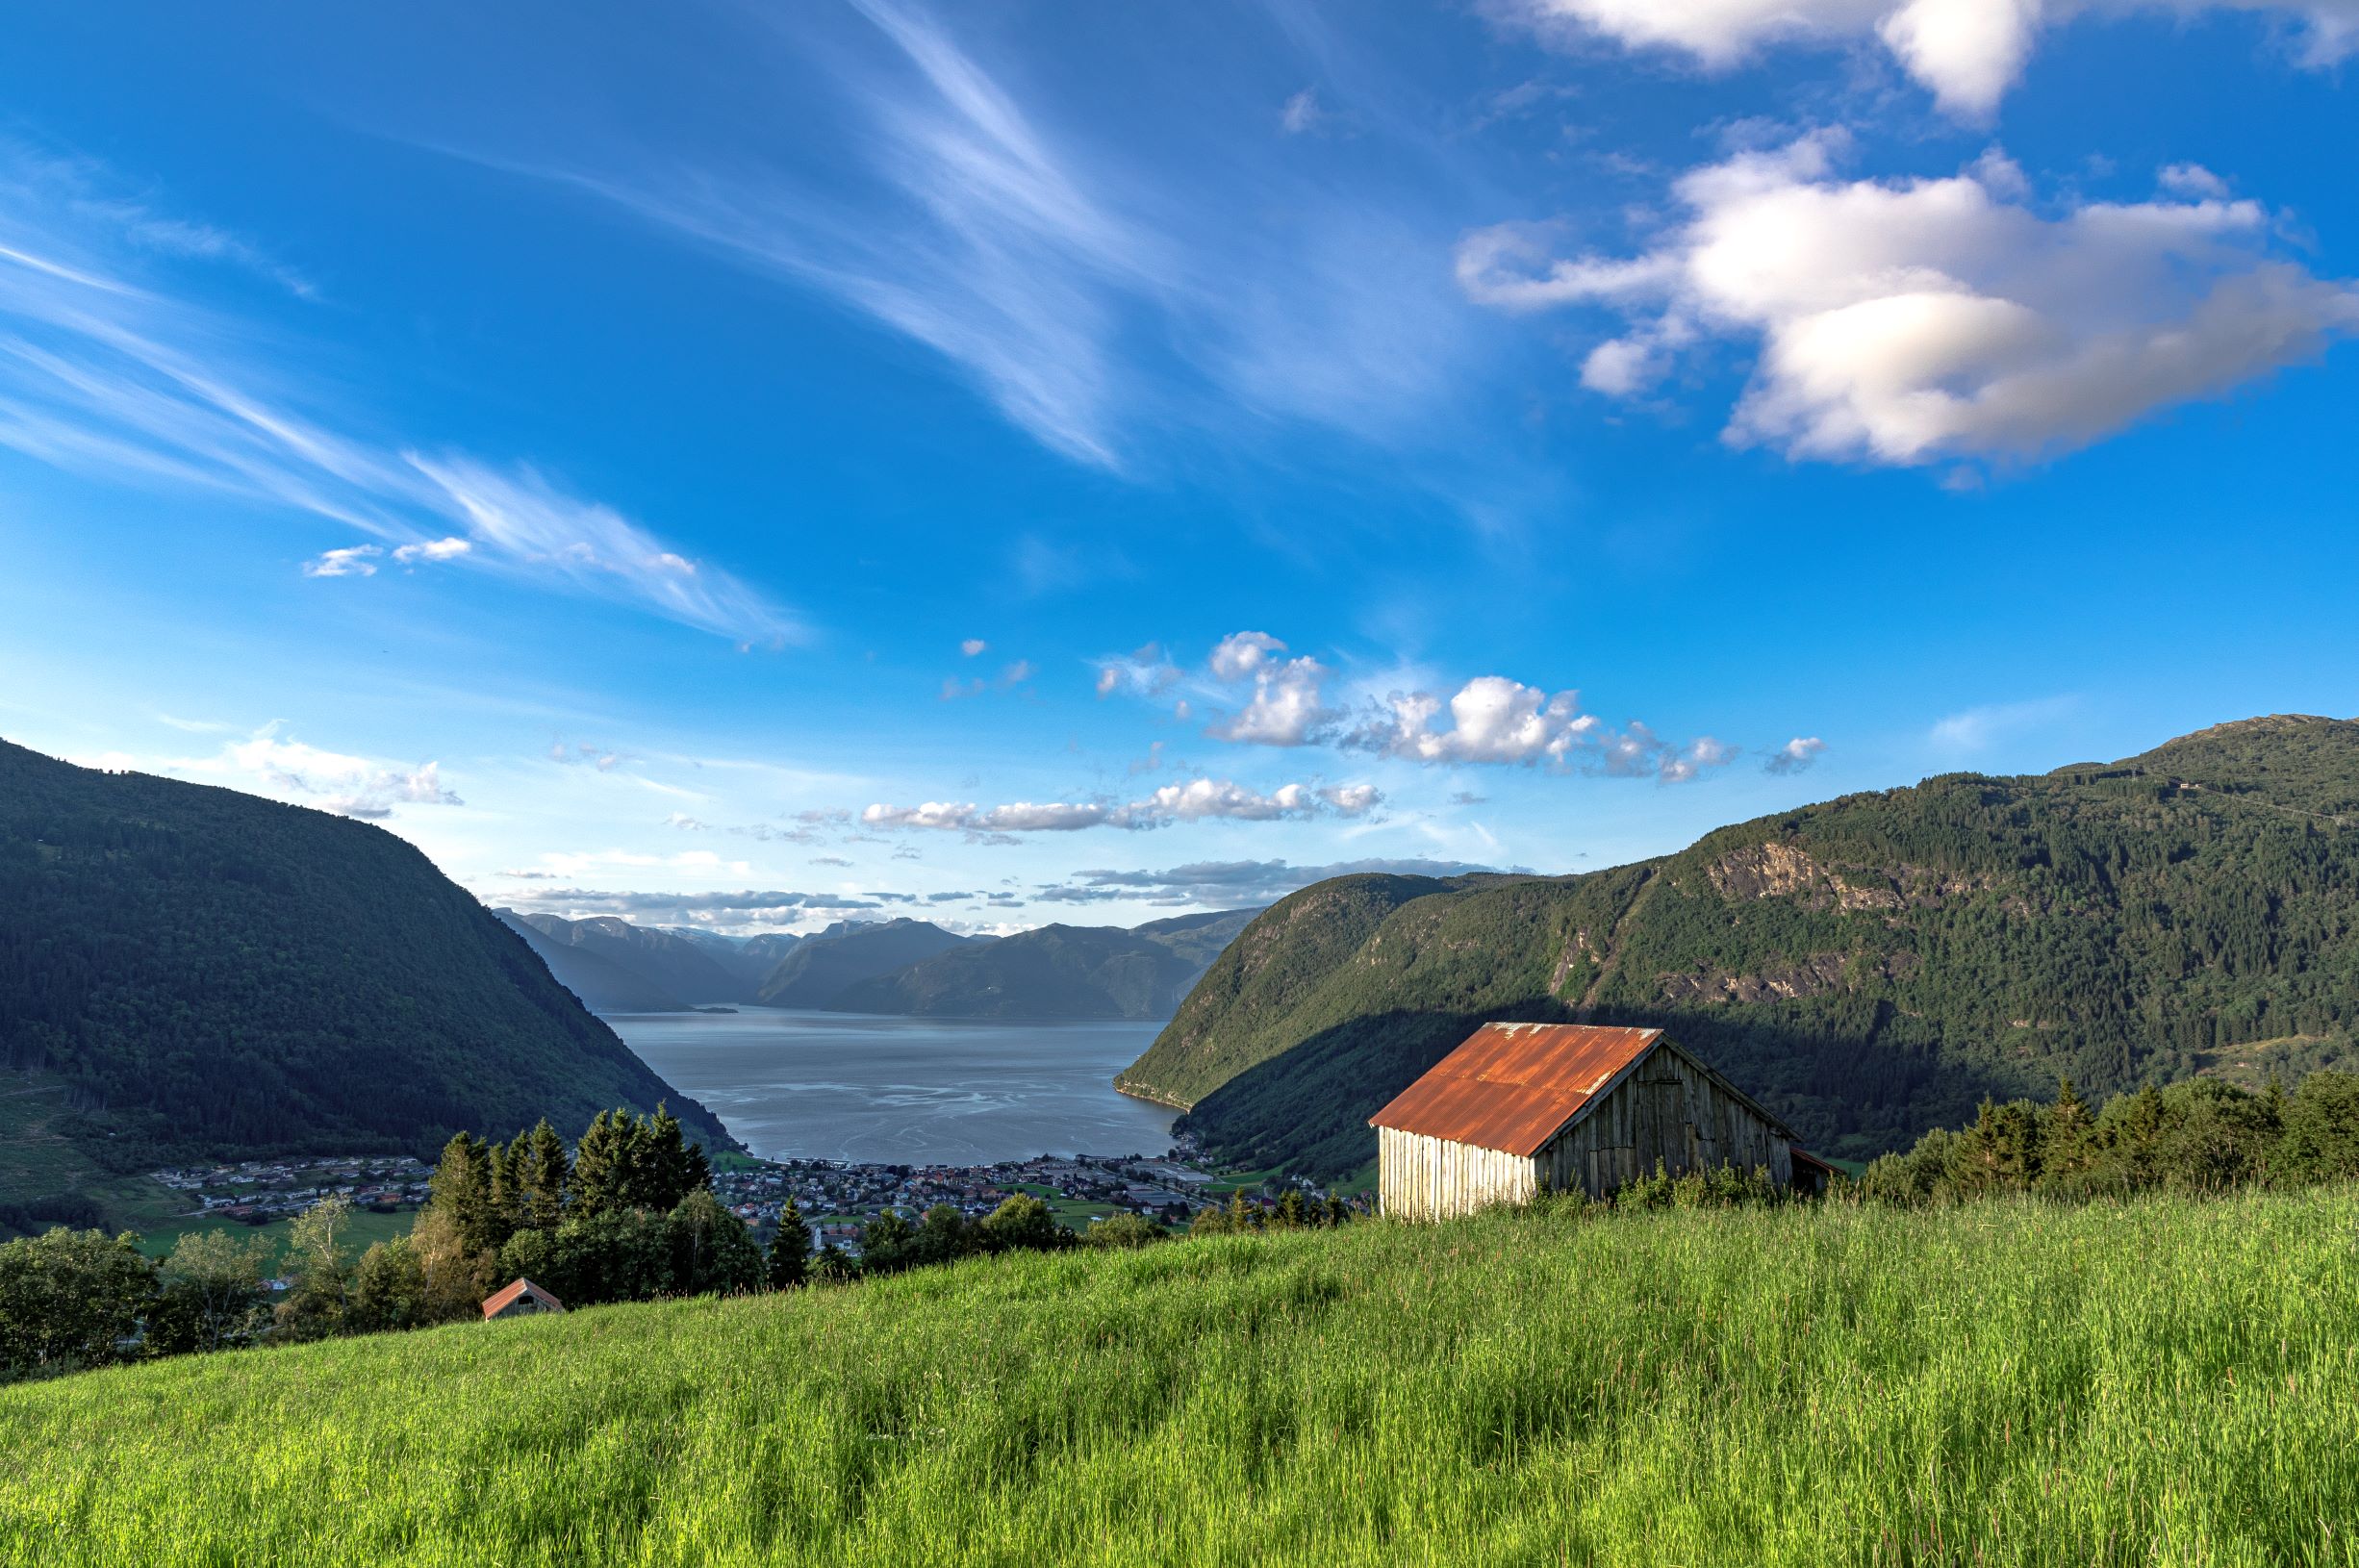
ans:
(2164, 1382)
(156, 1239)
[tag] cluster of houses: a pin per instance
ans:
(258, 1192)
(837, 1198)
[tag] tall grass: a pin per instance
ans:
(2165, 1382)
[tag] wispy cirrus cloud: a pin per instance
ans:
(1091, 296)
(107, 368)
(997, 250)
(273, 763)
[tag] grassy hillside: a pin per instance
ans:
(203, 972)
(2164, 1382)
(1870, 966)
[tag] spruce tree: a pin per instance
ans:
(599, 1176)
(544, 1174)
(790, 1250)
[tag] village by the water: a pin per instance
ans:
(837, 1198)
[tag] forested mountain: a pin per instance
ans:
(823, 967)
(671, 964)
(219, 975)
(602, 985)
(1870, 966)
(1056, 972)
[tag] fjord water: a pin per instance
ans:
(802, 1085)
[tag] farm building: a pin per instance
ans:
(1524, 1108)
(521, 1300)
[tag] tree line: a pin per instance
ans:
(626, 1213)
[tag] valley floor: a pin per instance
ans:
(2163, 1381)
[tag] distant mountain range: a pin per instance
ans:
(199, 971)
(904, 967)
(1869, 968)
(1073, 972)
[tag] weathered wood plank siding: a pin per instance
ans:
(1666, 1108)
(1432, 1178)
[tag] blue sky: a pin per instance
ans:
(754, 464)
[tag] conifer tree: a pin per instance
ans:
(543, 1173)
(462, 1190)
(790, 1250)
(600, 1182)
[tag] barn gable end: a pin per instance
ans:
(1523, 1108)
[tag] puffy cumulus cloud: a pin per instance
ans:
(1966, 52)
(973, 648)
(1795, 756)
(1919, 320)
(1492, 718)
(1636, 751)
(433, 549)
(1682, 764)
(348, 785)
(1198, 800)
(1234, 883)
(1285, 706)
(352, 560)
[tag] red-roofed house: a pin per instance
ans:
(1525, 1108)
(521, 1300)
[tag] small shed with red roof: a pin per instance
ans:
(521, 1300)
(1525, 1108)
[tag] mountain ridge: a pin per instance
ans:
(1869, 966)
(208, 972)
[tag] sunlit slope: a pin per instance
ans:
(1868, 967)
(2167, 1382)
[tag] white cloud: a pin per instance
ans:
(1920, 321)
(333, 781)
(433, 549)
(1977, 729)
(973, 646)
(1233, 882)
(354, 561)
(1492, 719)
(533, 527)
(1795, 756)
(1147, 672)
(1198, 800)
(104, 369)
(1240, 653)
(1967, 52)
(1302, 112)
(1285, 708)
(1683, 764)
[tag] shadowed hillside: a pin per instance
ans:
(1869, 967)
(209, 973)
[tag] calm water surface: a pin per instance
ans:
(796, 1085)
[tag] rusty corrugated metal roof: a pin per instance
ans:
(1513, 1086)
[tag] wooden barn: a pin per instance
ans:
(1524, 1108)
(521, 1300)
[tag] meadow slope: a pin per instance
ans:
(2162, 1381)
